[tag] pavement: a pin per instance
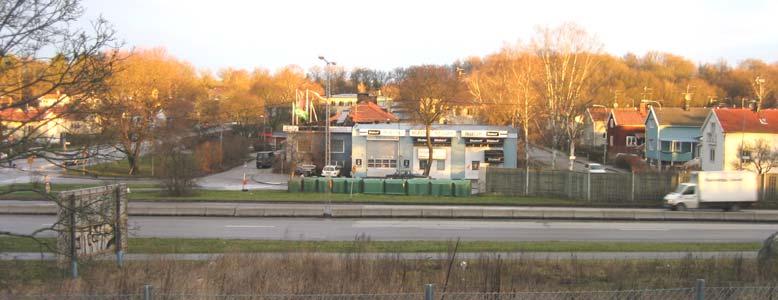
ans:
(304, 210)
(545, 155)
(411, 256)
(257, 179)
(347, 229)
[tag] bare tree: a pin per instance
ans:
(428, 92)
(43, 52)
(568, 55)
(505, 82)
(759, 156)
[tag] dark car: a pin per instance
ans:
(265, 159)
(405, 175)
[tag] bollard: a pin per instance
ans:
(699, 290)
(429, 291)
(147, 292)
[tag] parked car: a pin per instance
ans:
(405, 175)
(729, 190)
(595, 168)
(265, 159)
(305, 170)
(330, 171)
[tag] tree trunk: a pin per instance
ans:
(429, 150)
(572, 154)
(133, 162)
(526, 157)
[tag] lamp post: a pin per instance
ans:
(327, 118)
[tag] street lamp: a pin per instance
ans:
(327, 118)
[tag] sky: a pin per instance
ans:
(214, 34)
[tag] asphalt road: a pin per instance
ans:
(421, 229)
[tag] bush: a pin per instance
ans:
(178, 169)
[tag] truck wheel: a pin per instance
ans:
(680, 207)
(734, 207)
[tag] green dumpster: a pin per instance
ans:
(373, 186)
(462, 188)
(394, 186)
(441, 187)
(325, 185)
(339, 185)
(309, 184)
(353, 186)
(418, 186)
(294, 185)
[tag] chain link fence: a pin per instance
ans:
(699, 292)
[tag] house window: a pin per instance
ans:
(677, 146)
(651, 145)
(632, 141)
(611, 141)
(711, 133)
(441, 165)
(475, 165)
(371, 163)
(686, 147)
(667, 146)
(337, 146)
(650, 124)
(712, 154)
(745, 156)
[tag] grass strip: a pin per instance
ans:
(177, 245)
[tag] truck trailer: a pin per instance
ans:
(728, 190)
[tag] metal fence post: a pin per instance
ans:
(147, 292)
(699, 290)
(429, 291)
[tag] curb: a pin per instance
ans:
(504, 213)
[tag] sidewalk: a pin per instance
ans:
(221, 209)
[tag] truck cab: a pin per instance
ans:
(685, 196)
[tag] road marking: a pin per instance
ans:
(644, 229)
(248, 226)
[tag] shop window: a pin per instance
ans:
(423, 164)
(393, 163)
(475, 165)
(441, 165)
(371, 163)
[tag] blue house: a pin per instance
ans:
(672, 134)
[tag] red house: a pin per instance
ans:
(626, 130)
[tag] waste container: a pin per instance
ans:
(353, 186)
(339, 185)
(309, 184)
(394, 186)
(462, 188)
(325, 185)
(373, 186)
(418, 186)
(294, 185)
(441, 187)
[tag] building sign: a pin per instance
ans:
(382, 132)
(484, 133)
(422, 141)
(484, 141)
(494, 156)
(433, 133)
(437, 153)
(291, 128)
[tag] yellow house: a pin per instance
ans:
(724, 132)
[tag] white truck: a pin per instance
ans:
(729, 190)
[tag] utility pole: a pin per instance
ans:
(758, 87)
(327, 118)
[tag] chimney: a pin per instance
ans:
(643, 108)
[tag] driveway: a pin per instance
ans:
(257, 179)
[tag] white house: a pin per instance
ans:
(726, 129)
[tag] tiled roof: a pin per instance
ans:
(599, 114)
(18, 115)
(676, 116)
(629, 116)
(746, 120)
(368, 112)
